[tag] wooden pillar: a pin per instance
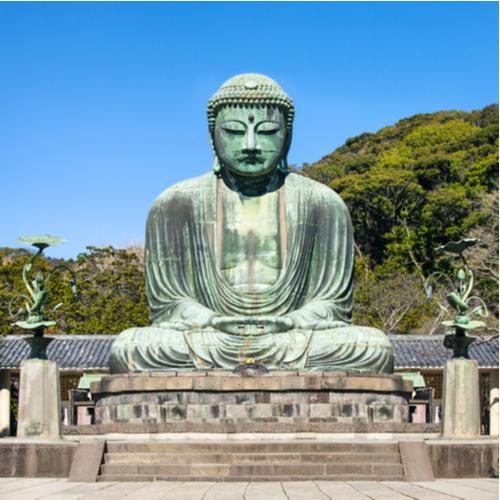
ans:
(4, 403)
(494, 402)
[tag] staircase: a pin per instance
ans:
(251, 461)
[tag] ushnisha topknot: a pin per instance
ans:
(250, 88)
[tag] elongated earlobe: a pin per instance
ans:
(283, 166)
(217, 168)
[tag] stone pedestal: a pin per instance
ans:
(4, 403)
(494, 403)
(461, 411)
(225, 398)
(39, 400)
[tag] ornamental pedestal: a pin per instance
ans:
(232, 401)
(461, 413)
(39, 400)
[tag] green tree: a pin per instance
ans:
(111, 291)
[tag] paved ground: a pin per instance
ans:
(61, 489)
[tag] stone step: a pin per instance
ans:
(252, 478)
(238, 470)
(269, 426)
(248, 458)
(250, 447)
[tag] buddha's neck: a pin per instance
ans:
(253, 186)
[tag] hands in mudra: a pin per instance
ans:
(251, 325)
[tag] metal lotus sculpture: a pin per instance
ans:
(465, 306)
(31, 315)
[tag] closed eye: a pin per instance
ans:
(234, 127)
(268, 127)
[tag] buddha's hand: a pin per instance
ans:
(181, 326)
(252, 325)
(185, 326)
(311, 323)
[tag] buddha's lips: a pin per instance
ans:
(251, 159)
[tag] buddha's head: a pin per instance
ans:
(250, 122)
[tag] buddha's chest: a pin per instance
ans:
(250, 240)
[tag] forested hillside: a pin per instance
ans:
(410, 187)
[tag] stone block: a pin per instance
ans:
(258, 411)
(268, 383)
(283, 397)
(298, 469)
(181, 383)
(39, 400)
(452, 459)
(164, 374)
(236, 411)
(415, 460)
(380, 412)
(250, 469)
(284, 373)
(124, 413)
(36, 459)
(318, 397)
(262, 397)
(300, 383)
(208, 384)
(320, 411)
(366, 382)
(252, 383)
(304, 410)
(352, 469)
(5, 382)
(461, 409)
(387, 470)
(87, 461)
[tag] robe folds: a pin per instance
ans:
(185, 288)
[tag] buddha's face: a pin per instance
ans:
(250, 140)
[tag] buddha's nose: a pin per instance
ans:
(250, 142)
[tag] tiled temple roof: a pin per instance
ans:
(91, 352)
(77, 352)
(427, 351)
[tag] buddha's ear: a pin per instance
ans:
(216, 167)
(283, 162)
(283, 165)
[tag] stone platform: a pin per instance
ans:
(296, 399)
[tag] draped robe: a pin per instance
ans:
(185, 288)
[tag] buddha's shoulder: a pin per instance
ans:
(185, 190)
(313, 190)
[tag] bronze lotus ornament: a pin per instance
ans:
(31, 314)
(466, 307)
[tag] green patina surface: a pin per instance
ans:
(88, 378)
(460, 300)
(250, 261)
(37, 286)
(415, 377)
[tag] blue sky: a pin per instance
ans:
(102, 105)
